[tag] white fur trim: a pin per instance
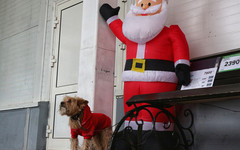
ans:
(150, 76)
(182, 61)
(141, 51)
(111, 19)
(149, 126)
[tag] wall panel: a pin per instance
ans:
(211, 27)
(19, 38)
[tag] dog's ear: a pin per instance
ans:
(85, 102)
(82, 103)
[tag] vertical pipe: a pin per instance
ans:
(26, 129)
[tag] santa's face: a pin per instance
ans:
(143, 24)
(145, 4)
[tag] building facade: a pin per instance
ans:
(53, 48)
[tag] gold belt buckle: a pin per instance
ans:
(138, 65)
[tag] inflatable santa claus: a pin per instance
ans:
(157, 55)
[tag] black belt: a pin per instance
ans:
(152, 64)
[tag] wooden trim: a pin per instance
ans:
(217, 93)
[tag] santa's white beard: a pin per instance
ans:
(141, 29)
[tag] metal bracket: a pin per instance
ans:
(53, 61)
(55, 22)
(123, 47)
(48, 131)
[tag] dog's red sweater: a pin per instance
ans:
(92, 124)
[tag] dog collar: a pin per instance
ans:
(75, 117)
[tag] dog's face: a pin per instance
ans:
(72, 105)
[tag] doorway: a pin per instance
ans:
(65, 67)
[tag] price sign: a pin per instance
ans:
(230, 62)
(201, 79)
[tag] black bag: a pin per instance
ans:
(129, 139)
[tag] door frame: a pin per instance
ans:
(52, 142)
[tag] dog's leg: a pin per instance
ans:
(74, 143)
(86, 144)
(106, 136)
(101, 140)
(97, 141)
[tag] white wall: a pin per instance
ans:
(19, 26)
(210, 26)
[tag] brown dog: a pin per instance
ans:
(94, 127)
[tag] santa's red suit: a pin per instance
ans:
(92, 124)
(154, 69)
